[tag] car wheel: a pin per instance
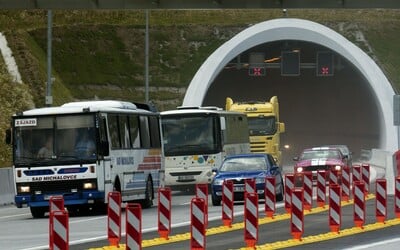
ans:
(280, 195)
(216, 201)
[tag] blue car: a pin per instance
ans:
(238, 168)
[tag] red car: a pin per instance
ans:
(320, 158)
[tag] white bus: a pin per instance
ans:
(195, 140)
(124, 154)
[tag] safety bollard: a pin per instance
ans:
(397, 197)
(346, 184)
(359, 203)
(164, 212)
(335, 209)
(249, 186)
(308, 190)
(251, 219)
(365, 173)
(381, 200)
(356, 174)
(133, 224)
(297, 213)
(197, 225)
(289, 185)
(114, 218)
(321, 188)
(59, 230)
(56, 203)
(202, 192)
(334, 176)
(270, 197)
(227, 203)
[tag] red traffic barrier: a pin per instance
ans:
(321, 188)
(381, 200)
(251, 219)
(56, 203)
(346, 184)
(365, 173)
(250, 186)
(270, 197)
(202, 192)
(356, 173)
(114, 218)
(133, 226)
(335, 208)
(397, 197)
(334, 176)
(297, 213)
(59, 230)
(359, 203)
(289, 185)
(308, 189)
(197, 225)
(164, 212)
(227, 203)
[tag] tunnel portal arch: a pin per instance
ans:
(308, 31)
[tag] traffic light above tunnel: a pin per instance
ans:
(290, 63)
(325, 65)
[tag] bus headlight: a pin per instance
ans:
(24, 189)
(89, 185)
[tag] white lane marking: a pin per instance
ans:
(373, 245)
(14, 215)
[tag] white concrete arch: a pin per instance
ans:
(302, 30)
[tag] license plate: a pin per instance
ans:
(185, 177)
(238, 189)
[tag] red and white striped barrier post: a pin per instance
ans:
(133, 226)
(114, 218)
(59, 230)
(381, 200)
(164, 212)
(251, 219)
(365, 172)
(346, 184)
(197, 225)
(356, 173)
(308, 189)
(334, 176)
(270, 197)
(359, 203)
(56, 203)
(289, 185)
(335, 208)
(250, 186)
(202, 192)
(397, 197)
(297, 213)
(321, 188)
(227, 203)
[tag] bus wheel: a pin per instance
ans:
(148, 200)
(38, 212)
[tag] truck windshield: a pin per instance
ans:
(262, 125)
(46, 140)
(189, 135)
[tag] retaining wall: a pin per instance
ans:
(7, 189)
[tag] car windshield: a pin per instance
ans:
(244, 164)
(313, 154)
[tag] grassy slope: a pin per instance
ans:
(100, 53)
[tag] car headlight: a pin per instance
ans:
(299, 169)
(24, 189)
(260, 180)
(338, 168)
(218, 182)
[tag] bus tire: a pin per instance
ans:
(148, 200)
(38, 212)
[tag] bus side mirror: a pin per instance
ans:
(105, 148)
(8, 136)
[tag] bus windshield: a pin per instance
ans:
(262, 125)
(185, 135)
(45, 140)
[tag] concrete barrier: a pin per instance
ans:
(7, 189)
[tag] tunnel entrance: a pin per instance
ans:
(353, 106)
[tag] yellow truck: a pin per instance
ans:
(264, 125)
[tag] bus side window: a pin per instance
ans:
(104, 144)
(144, 131)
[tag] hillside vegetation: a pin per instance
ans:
(100, 54)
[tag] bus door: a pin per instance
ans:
(106, 164)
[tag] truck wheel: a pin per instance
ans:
(38, 212)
